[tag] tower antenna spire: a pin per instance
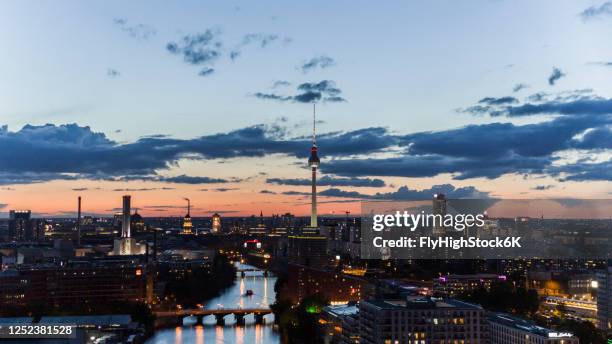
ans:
(188, 205)
(314, 124)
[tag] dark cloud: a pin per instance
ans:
(26, 177)
(139, 31)
(271, 96)
(280, 83)
(199, 49)
(504, 139)
(492, 150)
(403, 193)
(225, 189)
(581, 123)
(329, 181)
(555, 76)
(218, 211)
(140, 189)
(519, 87)
(71, 152)
(498, 101)
(543, 187)
(308, 92)
(605, 9)
(162, 207)
(185, 179)
(432, 165)
(601, 63)
(295, 193)
(261, 40)
(584, 171)
(267, 192)
(112, 73)
(574, 103)
(319, 62)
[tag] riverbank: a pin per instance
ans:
(234, 296)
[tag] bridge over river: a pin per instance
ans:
(176, 317)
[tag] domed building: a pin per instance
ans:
(137, 222)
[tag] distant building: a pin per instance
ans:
(126, 245)
(604, 299)
(454, 285)
(216, 224)
(506, 329)
(187, 225)
(137, 222)
(307, 249)
(335, 286)
(74, 283)
(21, 227)
(439, 208)
(421, 320)
(340, 324)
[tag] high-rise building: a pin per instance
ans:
(307, 249)
(439, 208)
(506, 329)
(126, 245)
(215, 223)
(416, 319)
(20, 226)
(604, 299)
(125, 221)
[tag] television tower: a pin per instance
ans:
(314, 162)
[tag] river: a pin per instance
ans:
(233, 297)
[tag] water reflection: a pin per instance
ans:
(263, 296)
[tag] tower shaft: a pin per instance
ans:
(79, 222)
(125, 222)
(313, 210)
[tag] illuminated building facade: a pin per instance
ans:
(604, 299)
(454, 285)
(215, 224)
(74, 283)
(335, 286)
(21, 226)
(126, 245)
(308, 250)
(421, 320)
(187, 224)
(439, 208)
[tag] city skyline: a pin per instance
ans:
(212, 102)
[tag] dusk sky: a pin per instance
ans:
(213, 101)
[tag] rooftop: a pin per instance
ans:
(418, 302)
(341, 310)
(527, 326)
